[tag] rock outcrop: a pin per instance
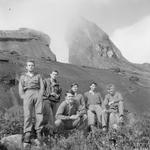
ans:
(90, 46)
(25, 42)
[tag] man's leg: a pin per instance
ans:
(81, 122)
(48, 118)
(39, 115)
(28, 109)
(98, 111)
(114, 119)
(121, 111)
(59, 125)
(105, 116)
(121, 108)
(91, 120)
(54, 108)
(91, 117)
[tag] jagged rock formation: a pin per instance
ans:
(25, 42)
(90, 46)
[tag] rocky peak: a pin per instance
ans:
(90, 46)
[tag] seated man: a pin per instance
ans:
(68, 115)
(113, 105)
(93, 101)
(78, 97)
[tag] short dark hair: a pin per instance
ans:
(110, 86)
(93, 82)
(73, 84)
(69, 91)
(30, 60)
(55, 71)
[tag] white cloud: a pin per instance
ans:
(49, 16)
(134, 41)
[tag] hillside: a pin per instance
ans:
(134, 84)
(136, 96)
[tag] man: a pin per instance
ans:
(51, 97)
(31, 91)
(94, 105)
(68, 115)
(78, 97)
(113, 104)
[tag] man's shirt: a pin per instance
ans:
(65, 110)
(93, 98)
(27, 82)
(116, 98)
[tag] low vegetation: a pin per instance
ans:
(125, 137)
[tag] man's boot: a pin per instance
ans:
(26, 141)
(39, 140)
(93, 128)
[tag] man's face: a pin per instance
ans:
(54, 75)
(74, 88)
(69, 98)
(93, 87)
(30, 66)
(111, 90)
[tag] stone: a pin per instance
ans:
(13, 142)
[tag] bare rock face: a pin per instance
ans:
(91, 46)
(25, 42)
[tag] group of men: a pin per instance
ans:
(76, 111)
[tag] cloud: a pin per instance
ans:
(50, 16)
(133, 41)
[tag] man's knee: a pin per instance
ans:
(58, 123)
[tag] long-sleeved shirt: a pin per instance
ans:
(65, 110)
(81, 103)
(27, 82)
(116, 98)
(80, 100)
(93, 98)
(51, 91)
(48, 85)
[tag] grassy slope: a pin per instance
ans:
(136, 97)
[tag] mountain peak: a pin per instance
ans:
(90, 46)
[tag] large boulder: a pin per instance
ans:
(12, 142)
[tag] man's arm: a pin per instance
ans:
(60, 111)
(82, 101)
(100, 98)
(118, 97)
(106, 101)
(21, 89)
(41, 91)
(86, 100)
(81, 109)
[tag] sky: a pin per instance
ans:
(127, 22)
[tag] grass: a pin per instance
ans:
(126, 137)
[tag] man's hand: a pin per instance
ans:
(53, 94)
(73, 117)
(110, 103)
